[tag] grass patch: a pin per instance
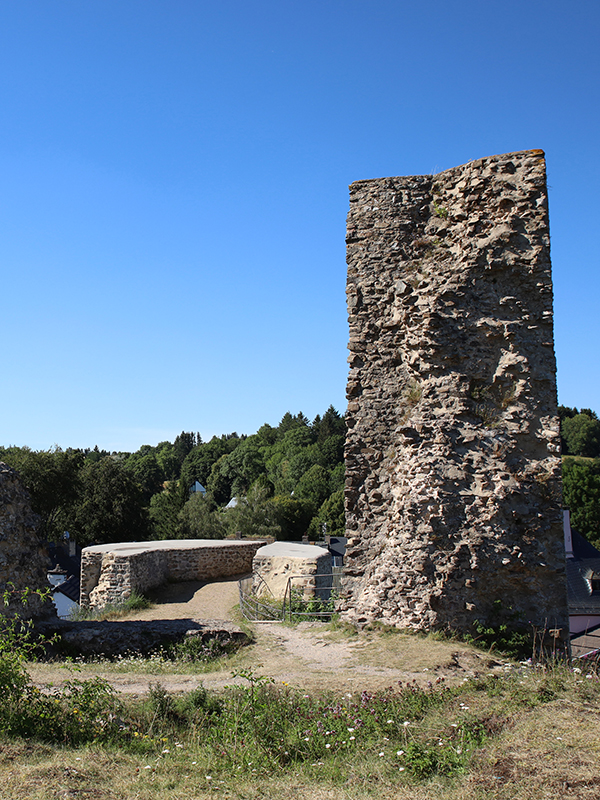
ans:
(135, 602)
(525, 729)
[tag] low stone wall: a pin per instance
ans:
(275, 563)
(111, 572)
(114, 639)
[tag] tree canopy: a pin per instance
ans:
(281, 477)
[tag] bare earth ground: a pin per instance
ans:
(309, 655)
(550, 752)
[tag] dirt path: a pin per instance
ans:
(192, 600)
(309, 655)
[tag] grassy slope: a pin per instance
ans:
(541, 740)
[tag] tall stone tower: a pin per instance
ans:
(23, 561)
(453, 486)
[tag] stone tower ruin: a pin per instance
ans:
(23, 560)
(453, 485)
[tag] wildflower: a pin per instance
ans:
(401, 769)
(406, 723)
(381, 754)
(400, 752)
(385, 739)
(352, 738)
(166, 750)
(390, 721)
(147, 766)
(194, 762)
(327, 746)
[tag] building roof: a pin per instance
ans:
(60, 558)
(586, 644)
(70, 588)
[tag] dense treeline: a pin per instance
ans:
(287, 481)
(580, 440)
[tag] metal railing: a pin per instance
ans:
(312, 597)
(255, 609)
(307, 597)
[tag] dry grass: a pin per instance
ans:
(537, 748)
(535, 751)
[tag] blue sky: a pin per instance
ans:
(174, 182)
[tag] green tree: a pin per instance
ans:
(197, 520)
(52, 478)
(184, 443)
(146, 471)
(331, 515)
(110, 506)
(314, 486)
(292, 516)
(200, 461)
(167, 461)
(330, 424)
(254, 516)
(164, 511)
(581, 435)
(332, 451)
(581, 494)
(219, 481)
(244, 465)
(337, 478)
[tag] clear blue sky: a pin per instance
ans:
(174, 182)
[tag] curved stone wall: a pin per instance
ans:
(111, 572)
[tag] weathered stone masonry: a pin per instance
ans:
(110, 572)
(453, 487)
(23, 560)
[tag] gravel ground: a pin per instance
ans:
(308, 655)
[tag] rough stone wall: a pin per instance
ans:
(23, 561)
(110, 573)
(274, 564)
(453, 489)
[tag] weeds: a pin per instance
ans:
(410, 398)
(503, 632)
(261, 733)
(135, 602)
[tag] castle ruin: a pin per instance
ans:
(453, 484)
